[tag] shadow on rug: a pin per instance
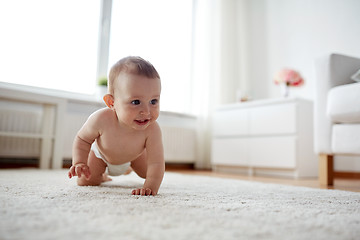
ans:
(45, 204)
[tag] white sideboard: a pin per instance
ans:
(265, 137)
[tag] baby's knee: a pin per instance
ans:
(140, 173)
(84, 182)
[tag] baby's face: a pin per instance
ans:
(137, 100)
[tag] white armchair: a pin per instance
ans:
(337, 111)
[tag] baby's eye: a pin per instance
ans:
(154, 101)
(135, 102)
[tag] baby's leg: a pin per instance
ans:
(97, 168)
(139, 165)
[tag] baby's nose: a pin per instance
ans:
(145, 110)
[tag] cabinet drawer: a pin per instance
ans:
(230, 151)
(231, 122)
(275, 119)
(277, 152)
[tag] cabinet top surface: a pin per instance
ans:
(263, 102)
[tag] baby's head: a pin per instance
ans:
(130, 65)
(134, 92)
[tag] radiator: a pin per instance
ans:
(179, 142)
(14, 121)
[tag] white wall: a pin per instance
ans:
(292, 33)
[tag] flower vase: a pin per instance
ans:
(284, 88)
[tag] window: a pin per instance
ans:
(160, 32)
(54, 44)
(51, 44)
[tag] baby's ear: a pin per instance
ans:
(109, 100)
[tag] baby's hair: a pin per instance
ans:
(131, 65)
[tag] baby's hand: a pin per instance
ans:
(79, 169)
(142, 192)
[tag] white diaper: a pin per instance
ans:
(112, 170)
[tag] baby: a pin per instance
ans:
(126, 133)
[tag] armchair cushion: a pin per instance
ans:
(344, 103)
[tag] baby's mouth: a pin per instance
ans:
(142, 121)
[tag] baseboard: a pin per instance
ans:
(179, 166)
(347, 175)
(67, 163)
(19, 162)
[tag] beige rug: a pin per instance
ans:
(38, 204)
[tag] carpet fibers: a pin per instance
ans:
(45, 204)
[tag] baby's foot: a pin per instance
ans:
(106, 178)
(128, 171)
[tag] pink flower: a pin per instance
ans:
(289, 77)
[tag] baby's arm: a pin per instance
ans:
(81, 150)
(81, 147)
(155, 164)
